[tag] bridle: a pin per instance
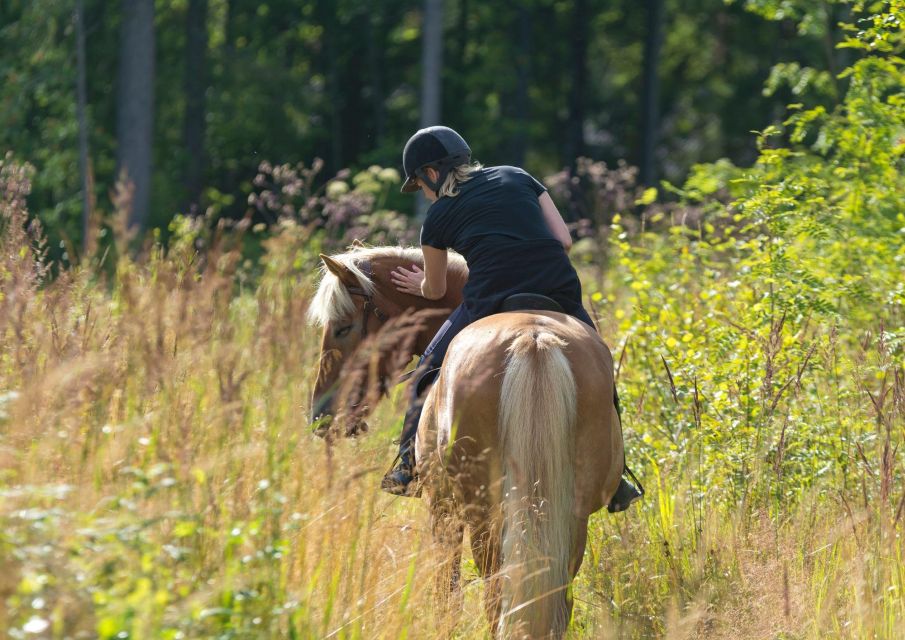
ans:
(369, 306)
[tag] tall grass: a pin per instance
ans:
(158, 478)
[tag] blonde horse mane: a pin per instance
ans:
(332, 300)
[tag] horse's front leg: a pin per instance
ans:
(447, 529)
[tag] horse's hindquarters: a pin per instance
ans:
(564, 395)
(457, 436)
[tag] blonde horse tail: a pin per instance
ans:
(537, 423)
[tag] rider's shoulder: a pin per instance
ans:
(508, 168)
(509, 171)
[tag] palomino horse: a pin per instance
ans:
(519, 438)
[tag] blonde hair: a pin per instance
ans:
(457, 176)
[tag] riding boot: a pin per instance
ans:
(626, 492)
(399, 479)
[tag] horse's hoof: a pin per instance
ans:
(320, 426)
(356, 427)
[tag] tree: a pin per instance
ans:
(135, 105)
(431, 62)
(195, 89)
(521, 106)
(328, 19)
(537, 82)
(574, 145)
(376, 45)
(82, 118)
(431, 70)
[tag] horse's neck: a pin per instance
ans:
(400, 302)
(382, 268)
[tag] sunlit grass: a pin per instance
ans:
(158, 478)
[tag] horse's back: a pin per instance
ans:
(463, 411)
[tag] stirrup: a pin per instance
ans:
(626, 493)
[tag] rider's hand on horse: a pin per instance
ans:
(408, 281)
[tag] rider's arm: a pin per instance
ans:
(433, 287)
(554, 220)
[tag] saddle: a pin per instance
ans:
(515, 302)
(530, 302)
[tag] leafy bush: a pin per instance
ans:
(346, 208)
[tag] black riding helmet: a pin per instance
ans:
(439, 148)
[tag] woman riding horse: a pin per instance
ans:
(506, 226)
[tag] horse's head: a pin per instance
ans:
(370, 330)
(346, 306)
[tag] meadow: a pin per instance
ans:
(158, 477)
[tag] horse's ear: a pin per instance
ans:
(358, 244)
(340, 270)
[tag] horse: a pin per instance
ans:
(519, 440)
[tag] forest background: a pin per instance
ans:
(195, 94)
(733, 173)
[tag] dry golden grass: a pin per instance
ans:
(158, 479)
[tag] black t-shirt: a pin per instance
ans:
(495, 201)
(496, 223)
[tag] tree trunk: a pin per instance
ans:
(462, 30)
(229, 30)
(574, 147)
(431, 62)
(353, 84)
(456, 98)
(829, 45)
(516, 28)
(326, 15)
(650, 95)
(522, 73)
(375, 59)
(135, 105)
(82, 118)
(195, 89)
(431, 70)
